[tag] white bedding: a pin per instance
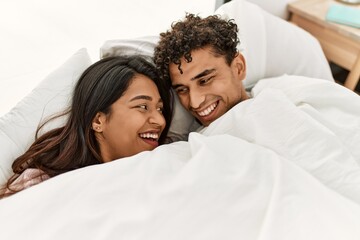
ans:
(282, 165)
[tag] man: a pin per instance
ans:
(199, 58)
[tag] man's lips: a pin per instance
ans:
(207, 111)
(208, 114)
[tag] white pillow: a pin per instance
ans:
(50, 96)
(272, 46)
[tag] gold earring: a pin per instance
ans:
(95, 128)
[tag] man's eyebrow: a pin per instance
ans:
(203, 73)
(200, 75)
(176, 86)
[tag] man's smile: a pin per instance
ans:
(208, 114)
(208, 110)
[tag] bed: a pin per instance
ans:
(283, 165)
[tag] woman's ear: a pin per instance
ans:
(240, 66)
(98, 122)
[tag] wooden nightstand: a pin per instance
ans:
(341, 43)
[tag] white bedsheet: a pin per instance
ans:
(283, 165)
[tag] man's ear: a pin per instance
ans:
(98, 122)
(239, 65)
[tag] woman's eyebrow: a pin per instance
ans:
(144, 97)
(141, 97)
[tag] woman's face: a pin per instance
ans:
(135, 121)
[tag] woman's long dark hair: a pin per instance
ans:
(74, 145)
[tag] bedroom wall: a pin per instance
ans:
(37, 36)
(275, 7)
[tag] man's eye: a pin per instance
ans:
(206, 80)
(181, 90)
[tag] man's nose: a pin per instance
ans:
(196, 99)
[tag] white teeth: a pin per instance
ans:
(149, 135)
(208, 110)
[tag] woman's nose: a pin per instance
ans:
(157, 118)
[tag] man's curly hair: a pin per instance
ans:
(193, 33)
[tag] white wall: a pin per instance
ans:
(36, 36)
(275, 7)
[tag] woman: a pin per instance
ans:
(119, 108)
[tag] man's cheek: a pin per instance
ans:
(184, 102)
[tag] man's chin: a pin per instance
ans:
(205, 121)
(202, 121)
(205, 124)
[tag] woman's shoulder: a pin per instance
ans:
(30, 173)
(28, 178)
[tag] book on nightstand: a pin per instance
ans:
(346, 15)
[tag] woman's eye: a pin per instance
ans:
(160, 109)
(143, 107)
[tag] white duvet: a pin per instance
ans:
(282, 165)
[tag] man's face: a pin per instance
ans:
(209, 87)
